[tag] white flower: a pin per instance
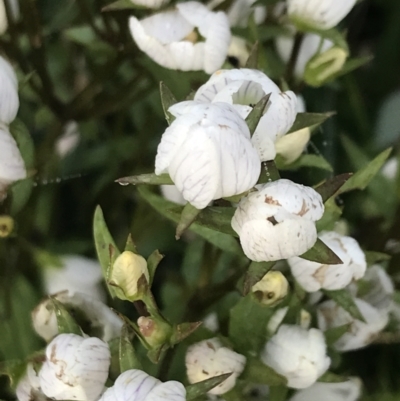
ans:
(153, 4)
(360, 334)
(241, 10)
(171, 193)
(272, 288)
(349, 390)
(77, 274)
(12, 166)
(314, 276)
(76, 368)
(243, 88)
(210, 358)
(207, 152)
(9, 101)
(100, 317)
(169, 38)
(311, 45)
(69, 139)
(277, 221)
(135, 385)
(298, 354)
(319, 14)
(29, 386)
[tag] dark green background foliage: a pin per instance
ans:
(90, 71)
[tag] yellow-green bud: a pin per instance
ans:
(272, 288)
(129, 273)
(322, 67)
(6, 226)
(155, 331)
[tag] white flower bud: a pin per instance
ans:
(360, 334)
(100, 317)
(297, 354)
(277, 221)
(29, 386)
(349, 390)
(171, 193)
(314, 276)
(135, 385)
(127, 271)
(207, 152)
(272, 288)
(12, 166)
(76, 368)
(169, 38)
(77, 274)
(210, 358)
(319, 14)
(9, 101)
(243, 88)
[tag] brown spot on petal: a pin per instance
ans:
(304, 209)
(204, 372)
(272, 220)
(210, 345)
(319, 275)
(271, 201)
(222, 126)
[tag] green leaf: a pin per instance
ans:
(256, 271)
(278, 393)
(107, 251)
(65, 322)
(149, 179)
(252, 61)
(152, 263)
(321, 253)
(350, 66)
(330, 187)
(14, 369)
(127, 355)
(335, 333)
(248, 325)
(130, 245)
(167, 100)
(375, 257)
(269, 172)
(255, 115)
(332, 214)
(306, 160)
(256, 372)
(305, 120)
(344, 299)
(121, 5)
(188, 216)
(200, 388)
(20, 194)
(330, 377)
(363, 177)
(184, 330)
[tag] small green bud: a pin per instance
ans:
(6, 226)
(155, 331)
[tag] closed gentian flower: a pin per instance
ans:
(298, 354)
(9, 101)
(170, 38)
(12, 166)
(243, 88)
(76, 368)
(319, 14)
(207, 152)
(314, 276)
(349, 390)
(210, 358)
(277, 221)
(136, 385)
(360, 334)
(28, 387)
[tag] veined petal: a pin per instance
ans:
(196, 14)
(187, 56)
(168, 391)
(9, 101)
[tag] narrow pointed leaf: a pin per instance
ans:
(167, 100)
(269, 172)
(256, 372)
(127, 355)
(305, 160)
(65, 322)
(330, 377)
(256, 271)
(130, 245)
(196, 390)
(184, 330)
(104, 243)
(255, 115)
(330, 187)
(188, 216)
(120, 5)
(152, 263)
(149, 179)
(332, 335)
(305, 120)
(346, 301)
(375, 257)
(252, 61)
(321, 253)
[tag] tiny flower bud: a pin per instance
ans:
(155, 332)
(271, 289)
(136, 385)
(209, 358)
(128, 274)
(6, 226)
(76, 368)
(298, 354)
